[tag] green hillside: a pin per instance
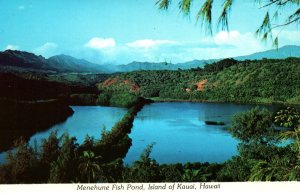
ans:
(257, 81)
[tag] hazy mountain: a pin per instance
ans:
(20, 59)
(133, 66)
(71, 64)
(281, 53)
(25, 61)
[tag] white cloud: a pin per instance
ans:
(288, 37)
(46, 49)
(149, 43)
(235, 38)
(224, 37)
(100, 43)
(21, 7)
(222, 45)
(234, 43)
(12, 47)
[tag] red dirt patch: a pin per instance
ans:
(110, 81)
(135, 88)
(121, 84)
(200, 85)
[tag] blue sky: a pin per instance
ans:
(121, 31)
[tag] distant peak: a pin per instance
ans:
(61, 56)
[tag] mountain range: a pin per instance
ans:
(25, 61)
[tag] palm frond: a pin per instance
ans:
(205, 15)
(223, 19)
(185, 6)
(265, 30)
(163, 4)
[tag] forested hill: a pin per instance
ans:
(257, 81)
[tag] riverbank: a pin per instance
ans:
(279, 103)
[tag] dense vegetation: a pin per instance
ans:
(62, 160)
(258, 81)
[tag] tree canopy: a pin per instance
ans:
(273, 9)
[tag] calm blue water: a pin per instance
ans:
(177, 129)
(86, 120)
(180, 133)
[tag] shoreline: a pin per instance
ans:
(223, 102)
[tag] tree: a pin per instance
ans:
(254, 126)
(285, 162)
(143, 170)
(89, 166)
(63, 169)
(288, 117)
(50, 149)
(21, 163)
(264, 31)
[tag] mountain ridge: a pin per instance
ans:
(26, 61)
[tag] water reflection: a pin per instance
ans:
(180, 133)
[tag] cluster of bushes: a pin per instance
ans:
(118, 99)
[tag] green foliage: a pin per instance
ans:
(283, 165)
(20, 164)
(171, 172)
(103, 99)
(253, 126)
(238, 169)
(260, 158)
(220, 66)
(62, 170)
(50, 149)
(112, 171)
(88, 144)
(49, 153)
(89, 166)
(123, 99)
(143, 170)
(288, 117)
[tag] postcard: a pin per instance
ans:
(149, 96)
